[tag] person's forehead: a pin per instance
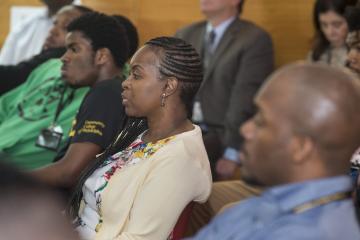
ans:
(67, 15)
(67, 10)
(275, 93)
(277, 84)
(77, 37)
(145, 56)
(330, 16)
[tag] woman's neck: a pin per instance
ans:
(337, 45)
(164, 127)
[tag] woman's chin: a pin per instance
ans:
(131, 113)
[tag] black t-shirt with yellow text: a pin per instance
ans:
(100, 116)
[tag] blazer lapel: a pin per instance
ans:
(199, 40)
(223, 45)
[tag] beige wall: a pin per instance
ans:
(289, 22)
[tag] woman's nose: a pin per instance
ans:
(125, 84)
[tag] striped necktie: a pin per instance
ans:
(208, 47)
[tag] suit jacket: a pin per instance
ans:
(240, 64)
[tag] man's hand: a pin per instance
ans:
(225, 168)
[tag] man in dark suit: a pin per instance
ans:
(237, 57)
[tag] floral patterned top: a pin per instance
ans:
(90, 219)
(355, 166)
(355, 160)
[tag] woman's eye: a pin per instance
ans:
(258, 121)
(136, 76)
(337, 24)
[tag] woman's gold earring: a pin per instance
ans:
(163, 100)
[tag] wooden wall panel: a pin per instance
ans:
(289, 22)
(166, 21)
(125, 7)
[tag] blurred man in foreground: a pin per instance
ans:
(299, 144)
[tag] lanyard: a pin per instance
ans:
(62, 103)
(44, 95)
(321, 201)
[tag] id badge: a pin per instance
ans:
(50, 138)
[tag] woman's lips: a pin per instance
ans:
(124, 99)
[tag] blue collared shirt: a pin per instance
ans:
(232, 154)
(270, 216)
(219, 31)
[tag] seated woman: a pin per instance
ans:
(140, 191)
(331, 31)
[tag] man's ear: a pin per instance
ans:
(302, 148)
(102, 56)
(171, 86)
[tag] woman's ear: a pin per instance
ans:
(171, 86)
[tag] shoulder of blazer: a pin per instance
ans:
(247, 28)
(190, 29)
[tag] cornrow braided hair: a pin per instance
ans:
(131, 129)
(180, 60)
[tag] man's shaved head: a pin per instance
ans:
(307, 101)
(323, 103)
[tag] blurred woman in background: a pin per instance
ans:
(331, 30)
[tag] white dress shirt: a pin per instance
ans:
(219, 31)
(26, 39)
